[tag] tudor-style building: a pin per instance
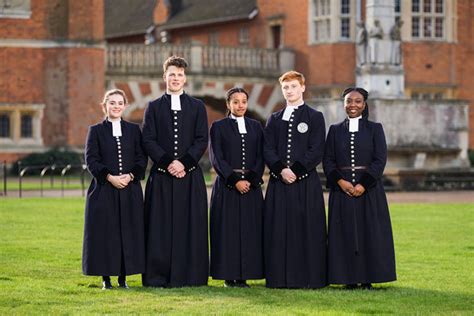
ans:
(437, 39)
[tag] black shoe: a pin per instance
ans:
(366, 286)
(230, 283)
(350, 286)
(106, 285)
(241, 283)
(122, 282)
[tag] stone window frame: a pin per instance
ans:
(15, 113)
(333, 17)
(449, 17)
(15, 9)
(405, 14)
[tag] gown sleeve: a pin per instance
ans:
(197, 149)
(329, 160)
(270, 150)
(150, 139)
(93, 157)
(216, 153)
(141, 158)
(256, 173)
(379, 159)
(314, 154)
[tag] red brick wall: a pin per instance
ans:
(68, 80)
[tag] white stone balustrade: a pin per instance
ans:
(209, 60)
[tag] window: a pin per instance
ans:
(26, 126)
(428, 18)
(15, 9)
(244, 37)
(214, 39)
(397, 10)
(345, 19)
(322, 20)
(4, 125)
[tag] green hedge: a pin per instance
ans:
(60, 157)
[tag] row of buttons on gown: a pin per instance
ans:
(119, 152)
(243, 154)
(175, 133)
(288, 150)
(353, 157)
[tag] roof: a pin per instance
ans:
(127, 17)
(202, 12)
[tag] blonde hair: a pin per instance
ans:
(112, 92)
(292, 75)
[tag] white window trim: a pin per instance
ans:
(15, 111)
(18, 10)
(450, 22)
(334, 17)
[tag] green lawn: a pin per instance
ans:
(40, 270)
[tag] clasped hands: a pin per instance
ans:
(350, 189)
(119, 182)
(243, 186)
(176, 169)
(288, 176)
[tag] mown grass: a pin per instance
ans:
(40, 270)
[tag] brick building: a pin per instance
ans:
(52, 53)
(51, 73)
(438, 39)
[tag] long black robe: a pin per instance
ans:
(176, 209)
(360, 242)
(294, 217)
(114, 235)
(236, 221)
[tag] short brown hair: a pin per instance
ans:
(112, 92)
(292, 75)
(176, 61)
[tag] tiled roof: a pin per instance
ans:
(202, 12)
(127, 17)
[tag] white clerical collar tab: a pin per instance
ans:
(289, 110)
(240, 123)
(354, 124)
(116, 128)
(176, 102)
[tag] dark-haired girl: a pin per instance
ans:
(237, 200)
(360, 242)
(114, 237)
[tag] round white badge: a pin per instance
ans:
(302, 128)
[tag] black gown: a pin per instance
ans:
(236, 221)
(360, 242)
(294, 217)
(176, 209)
(114, 235)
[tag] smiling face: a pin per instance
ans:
(237, 104)
(354, 104)
(175, 79)
(292, 91)
(114, 106)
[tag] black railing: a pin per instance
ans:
(45, 171)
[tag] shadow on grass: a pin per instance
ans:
(387, 298)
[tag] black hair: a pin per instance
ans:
(362, 91)
(365, 95)
(230, 92)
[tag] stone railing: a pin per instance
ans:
(138, 59)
